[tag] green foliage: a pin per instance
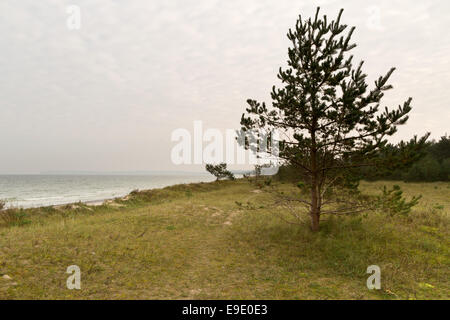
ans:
(301, 185)
(290, 173)
(392, 201)
(445, 169)
(330, 122)
(428, 169)
(432, 164)
(429, 164)
(441, 149)
(220, 171)
(14, 217)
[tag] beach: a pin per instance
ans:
(31, 191)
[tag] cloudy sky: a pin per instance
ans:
(107, 97)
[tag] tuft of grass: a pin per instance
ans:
(13, 217)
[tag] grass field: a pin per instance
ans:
(222, 240)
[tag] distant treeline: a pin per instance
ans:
(433, 166)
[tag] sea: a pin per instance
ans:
(28, 191)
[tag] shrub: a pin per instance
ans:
(13, 217)
(301, 185)
(393, 202)
(220, 171)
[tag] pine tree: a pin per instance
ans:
(330, 121)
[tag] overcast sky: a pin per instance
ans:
(106, 97)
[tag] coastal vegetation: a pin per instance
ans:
(220, 171)
(434, 165)
(226, 240)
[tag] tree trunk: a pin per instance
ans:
(315, 219)
(315, 206)
(315, 209)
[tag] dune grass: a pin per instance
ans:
(222, 240)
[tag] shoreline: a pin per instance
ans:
(96, 202)
(14, 203)
(89, 203)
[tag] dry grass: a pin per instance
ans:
(195, 241)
